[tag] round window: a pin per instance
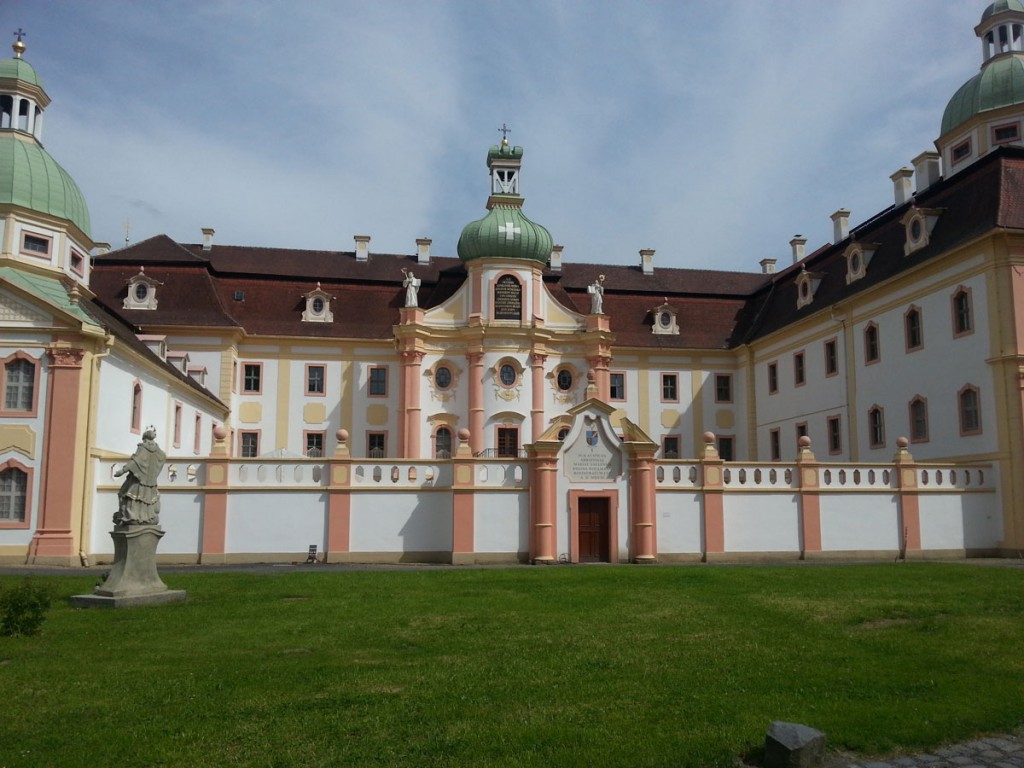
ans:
(318, 306)
(141, 291)
(665, 319)
(507, 375)
(563, 433)
(564, 380)
(442, 378)
(915, 230)
(855, 262)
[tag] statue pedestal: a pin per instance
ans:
(133, 579)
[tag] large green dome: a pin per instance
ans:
(19, 69)
(505, 233)
(999, 84)
(1002, 6)
(30, 178)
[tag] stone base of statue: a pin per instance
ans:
(133, 580)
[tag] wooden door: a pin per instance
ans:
(594, 531)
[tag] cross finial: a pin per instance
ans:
(19, 46)
(504, 131)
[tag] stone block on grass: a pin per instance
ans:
(792, 745)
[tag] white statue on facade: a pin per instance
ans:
(412, 287)
(596, 291)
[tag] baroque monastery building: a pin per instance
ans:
(865, 400)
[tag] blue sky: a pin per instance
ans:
(712, 132)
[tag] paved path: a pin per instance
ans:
(1004, 751)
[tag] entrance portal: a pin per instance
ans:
(594, 529)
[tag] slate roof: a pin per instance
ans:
(715, 309)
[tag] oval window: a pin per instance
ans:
(915, 230)
(564, 380)
(665, 319)
(318, 306)
(442, 378)
(855, 262)
(507, 375)
(141, 291)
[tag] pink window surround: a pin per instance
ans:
(29, 482)
(1010, 133)
(872, 344)
(834, 427)
(773, 378)
(775, 444)
(242, 433)
(383, 444)
(669, 387)
(136, 426)
(13, 412)
(831, 351)
(969, 409)
(306, 446)
(311, 383)
(177, 424)
(962, 306)
(723, 388)
(377, 377)
(918, 412)
(876, 427)
(252, 381)
(621, 374)
(574, 522)
(77, 262)
(913, 329)
(198, 435)
(438, 440)
(35, 237)
(799, 369)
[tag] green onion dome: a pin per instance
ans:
(507, 234)
(19, 69)
(30, 178)
(999, 84)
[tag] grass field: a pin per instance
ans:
(566, 666)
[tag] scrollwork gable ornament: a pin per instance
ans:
(141, 291)
(318, 306)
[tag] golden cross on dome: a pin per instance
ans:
(19, 46)
(504, 131)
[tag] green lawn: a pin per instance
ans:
(560, 666)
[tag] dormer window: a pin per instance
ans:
(806, 285)
(141, 292)
(664, 320)
(919, 223)
(318, 307)
(858, 257)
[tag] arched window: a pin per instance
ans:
(872, 346)
(913, 330)
(918, 420)
(13, 495)
(19, 385)
(443, 443)
(969, 402)
(876, 427)
(963, 321)
(136, 407)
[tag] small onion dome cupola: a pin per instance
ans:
(1000, 83)
(505, 232)
(29, 177)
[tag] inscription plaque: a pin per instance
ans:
(508, 299)
(590, 459)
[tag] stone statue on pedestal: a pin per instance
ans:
(138, 501)
(596, 291)
(412, 287)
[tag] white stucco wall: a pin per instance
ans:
(679, 522)
(501, 522)
(761, 523)
(276, 522)
(859, 522)
(401, 522)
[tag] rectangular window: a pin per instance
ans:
(198, 436)
(670, 447)
(617, 388)
(177, 425)
(872, 350)
(249, 444)
(13, 495)
(961, 151)
(252, 378)
(378, 385)
(970, 411)
(725, 448)
(315, 379)
(773, 378)
(669, 388)
(376, 445)
(801, 431)
(962, 320)
(1002, 134)
(77, 263)
(918, 420)
(508, 442)
(835, 435)
(775, 444)
(35, 245)
(723, 387)
(831, 357)
(876, 428)
(314, 444)
(799, 371)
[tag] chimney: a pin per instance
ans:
(555, 262)
(102, 249)
(647, 260)
(362, 247)
(901, 185)
(423, 250)
(208, 233)
(927, 170)
(798, 244)
(767, 266)
(840, 225)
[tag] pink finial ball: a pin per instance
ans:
(463, 435)
(220, 432)
(804, 441)
(709, 438)
(902, 442)
(342, 435)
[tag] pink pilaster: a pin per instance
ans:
(215, 501)
(476, 400)
(53, 540)
(412, 362)
(543, 506)
(643, 541)
(537, 361)
(909, 502)
(339, 505)
(809, 500)
(714, 502)
(463, 507)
